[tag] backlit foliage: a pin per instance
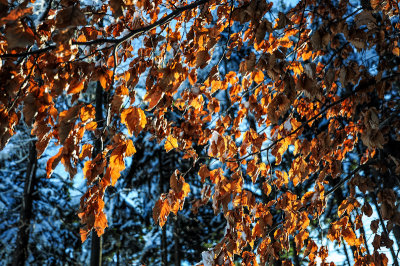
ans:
(319, 83)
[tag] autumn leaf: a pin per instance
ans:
(76, 88)
(84, 233)
(349, 236)
(69, 17)
(259, 77)
(154, 98)
(202, 58)
(135, 119)
(86, 151)
(204, 173)
(100, 223)
(67, 121)
(18, 35)
(161, 211)
(87, 112)
(396, 51)
(170, 143)
(53, 162)
(16, 14)
(116, 7)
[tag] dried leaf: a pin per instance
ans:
(70, 17)
(135, 119)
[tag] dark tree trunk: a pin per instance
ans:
(164, 251)
(21, 249)
(176, 242)
(97, 242)
(296, 258)
(164, 255)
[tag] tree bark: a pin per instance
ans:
(21, 249)
(176, 241)
(97, 242)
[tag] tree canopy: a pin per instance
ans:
(287, 116)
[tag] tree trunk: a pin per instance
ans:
(296, 258)
(164, 255)
(164, 251)
(21, 249)
(97, 242)
(176, 242)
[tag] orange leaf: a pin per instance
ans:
(76, 88)
(16, 14)
(231, 77)
(267, 188)
(349, 236)
(396, 51)
(134, 118)
(84, 233)
(87, 112)
(91, 125)
(161, 211)
(100, 223)
(117, 165)
(258, 77)
(53, 162)
(153, 98)
(103, 81)
(185, 189)
(130, 149)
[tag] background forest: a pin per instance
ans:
(237, 132)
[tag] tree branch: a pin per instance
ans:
(123, 39)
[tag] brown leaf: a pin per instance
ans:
(70, 17)
(204, 173)
(116, 7)
(161, 211)
(366, 208)
(374, 226)
(18, 35)
(203, 57)
(86, 151)
(283, 21)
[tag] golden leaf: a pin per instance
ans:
(259, 77)
(170, 143)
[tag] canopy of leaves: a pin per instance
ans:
(287, 117)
